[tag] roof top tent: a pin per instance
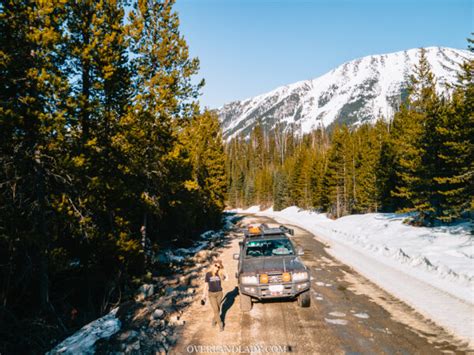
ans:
(263, 229)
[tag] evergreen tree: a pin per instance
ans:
(203, 140)
(336, 181)
(449, 139)
(318, 170)
(300, 178)
(280, 191)
(319, 147)
(33, 133)
(264, 187)
(101, 81)
(409, 125)
(162, 106)
(386, 176)
(368, 141)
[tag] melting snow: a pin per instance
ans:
(336, 321)
(83, 341)
(337, 314)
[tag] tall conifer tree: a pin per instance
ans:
(33, 132)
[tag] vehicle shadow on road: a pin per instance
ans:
(228, 301)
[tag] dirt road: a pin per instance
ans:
(348, 314)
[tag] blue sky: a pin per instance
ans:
(249, 47)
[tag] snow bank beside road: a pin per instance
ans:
(84, 340)
(432, 269)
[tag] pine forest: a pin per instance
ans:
(105, 156)
(420, 162)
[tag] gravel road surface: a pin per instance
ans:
(348, 314)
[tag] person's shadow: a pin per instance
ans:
(228, 301)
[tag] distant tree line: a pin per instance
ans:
(105, 156)
(421, 161)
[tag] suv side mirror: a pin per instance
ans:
(236, 256)
(300, 251)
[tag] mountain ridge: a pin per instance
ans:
(357, 91)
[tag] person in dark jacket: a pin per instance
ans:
(213, 291)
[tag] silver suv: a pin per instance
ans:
(269, 267)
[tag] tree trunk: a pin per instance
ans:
(86, 81)
(85, 103)
(146, 243)
(43, 242)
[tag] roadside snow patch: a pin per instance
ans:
(336, 321)
(83, 341)
(337, 314)
(169, 255)
(253, 209)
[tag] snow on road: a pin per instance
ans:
(431, 269)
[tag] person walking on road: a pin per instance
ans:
(213, 291)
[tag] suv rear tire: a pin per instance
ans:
(245, 303)
(304, 299)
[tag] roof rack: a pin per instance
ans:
(263, 230)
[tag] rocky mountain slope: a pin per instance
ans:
(358, 91)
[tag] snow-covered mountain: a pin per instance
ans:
(358, 91)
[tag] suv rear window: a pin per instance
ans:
(269, 247)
